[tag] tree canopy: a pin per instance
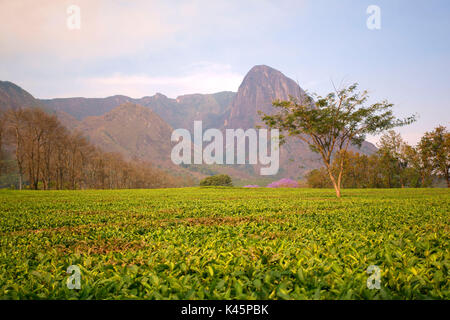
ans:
(330, 124)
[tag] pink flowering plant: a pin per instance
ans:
(283, 183)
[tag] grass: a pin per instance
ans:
(225, 243)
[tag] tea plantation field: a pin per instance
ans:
(225, 243)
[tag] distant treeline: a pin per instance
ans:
(43, 154)
(395, 164)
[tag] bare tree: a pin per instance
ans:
(14, 126)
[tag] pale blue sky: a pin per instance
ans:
(139, 48)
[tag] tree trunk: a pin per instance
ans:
(341, 171)
(18, 159)
(338, 191)
(336, 186)
(20, 180)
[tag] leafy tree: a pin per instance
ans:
(356, 169)
(435, 151)
(395, 164)
(393, 160)
(217, 180)
(330, 124)
(318, 178)
(419, 171)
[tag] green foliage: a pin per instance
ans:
(318, 178)
(330, 124)
(395, 164)
(228, 243)
(435, 151)
(223, 180)
(335, 119)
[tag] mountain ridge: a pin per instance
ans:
(178, 112)
(119, 123)
(12, 96)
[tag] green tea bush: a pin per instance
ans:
(225, 243)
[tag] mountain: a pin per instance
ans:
(136, 132)
(179, 113)
(260, 87)
(80, 108)
(141, 128)
(13, 96)
(130, 129)
(67, 120)
(117, 124)
(182, 111)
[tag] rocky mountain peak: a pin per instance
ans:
(260, 87)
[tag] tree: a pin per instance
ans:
(414, 174)
(392, 158)
(48, 155)
(360, 171)
(14, 128)
(318, 178)
(435, 148)
(330, 124)
(356, 169)
(53, 132)
(404, 165)
(2, 142)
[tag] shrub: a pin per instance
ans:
(217, 180)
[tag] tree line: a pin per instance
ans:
(395, 164)
(43, 154)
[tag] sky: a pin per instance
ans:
(138, 48)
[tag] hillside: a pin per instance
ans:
(131, 129)
(12, 96)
